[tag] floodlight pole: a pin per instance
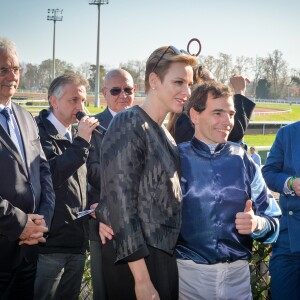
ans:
(53, 16)
(97, 83)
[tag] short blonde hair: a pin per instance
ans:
(160, 60)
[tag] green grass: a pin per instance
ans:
(32, 108)
(294, 115)
(95, 110)
(259, 139)
(268, 139)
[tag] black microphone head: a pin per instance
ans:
(99, 129)
(80, 115)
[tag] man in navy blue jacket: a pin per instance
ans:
(281, 173)
(219, 221)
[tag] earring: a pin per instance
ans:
(152, 87)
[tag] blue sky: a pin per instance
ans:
(132, 29)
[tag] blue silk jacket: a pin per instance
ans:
(215, 187)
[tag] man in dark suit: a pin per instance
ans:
(118, 91)
(26, 193)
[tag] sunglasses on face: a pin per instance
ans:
(174, 50)
(115, 91)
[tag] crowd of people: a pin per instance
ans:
(167, 221)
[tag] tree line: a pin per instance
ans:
(270, 76)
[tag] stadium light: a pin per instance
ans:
(97, 83)
(54, 15)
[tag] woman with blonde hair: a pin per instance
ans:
(140, 185)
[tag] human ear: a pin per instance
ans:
(194, 116)
(53, 101)
(153, 80)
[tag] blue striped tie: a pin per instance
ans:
(6, 113)
(68, 136)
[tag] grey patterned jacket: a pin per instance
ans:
(140, 186)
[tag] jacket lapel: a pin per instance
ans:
(105, 118)
(10, 146)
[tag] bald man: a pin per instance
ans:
(118, 91)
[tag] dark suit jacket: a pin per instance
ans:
(93, 166)
(283, 162)
(25, 188)
(104, 117)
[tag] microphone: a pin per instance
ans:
(99, 129)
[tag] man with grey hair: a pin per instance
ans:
(118, 91)
(62, 258)
(26, 193)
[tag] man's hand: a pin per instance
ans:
(105, 232)
(86, 127)
(296, 186)
(239, 84)
(93, 206)
(246, 222)
(40, 222)
(34, 230)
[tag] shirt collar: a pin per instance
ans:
(3, 106)
(211, 148)
(62, 130)
(112, 112)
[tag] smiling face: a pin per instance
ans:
(10, 81)
(175, 88)
(213, 125)
(71, 102)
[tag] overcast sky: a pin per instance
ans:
(132, 29)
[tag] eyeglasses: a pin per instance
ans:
(5, 71)
(175, 51)
(115, 91)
